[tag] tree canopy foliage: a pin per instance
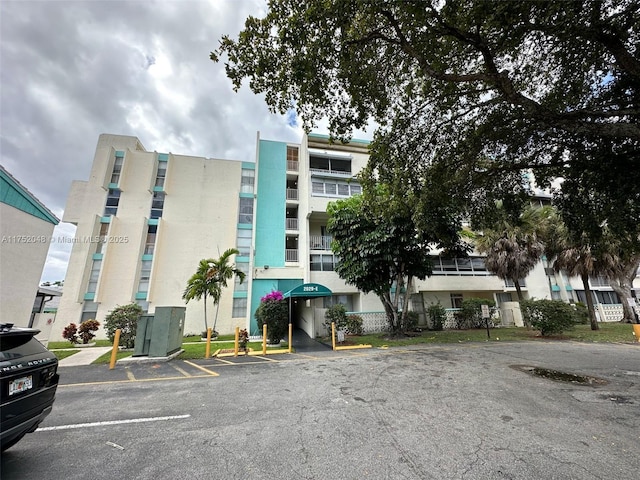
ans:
(475, 89)
(380, 248)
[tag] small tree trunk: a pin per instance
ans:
(206, 325)
(516, 282)
(590, 306)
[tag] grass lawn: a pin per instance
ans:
(60, 354)
(65, 344)
(194, 348)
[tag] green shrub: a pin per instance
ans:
(125, 318)
(274, 312)
(411, 321)
(470, 315)
(336, 313)
(437, 315)
(86, 330)
(354, 324)
(548, 316)
(581, 313)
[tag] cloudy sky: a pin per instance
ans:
(71, 70)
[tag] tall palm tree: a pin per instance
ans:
(201, 285)
(219, 273)
(513, 247)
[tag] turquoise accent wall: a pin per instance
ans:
(271, 203)
(14, 194)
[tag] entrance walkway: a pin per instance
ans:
(303, 343)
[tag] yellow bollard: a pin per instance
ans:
(207, 350)
(636, 331)
(235, 349)
(114, 351)
(290, 336)
(333, 334)
(264, 339)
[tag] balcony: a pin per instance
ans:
(292, 165)
(320, 242)
(292, 194)
(291, 255)
(291, 224)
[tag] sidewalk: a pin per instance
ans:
(84, 357)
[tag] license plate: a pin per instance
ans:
(20, 385)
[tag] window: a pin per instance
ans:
(157, 205)
(292, 154)
(89, 311)
(333, 188)
(246, 211)
(338, 166)
(244, 242)
(161, 175)
(509, 283)
(247, 180)
(459, 266)
(322, 263)
(609, 298)
(242, 287)
(104, 230)
(456, 300)
(239, 308)
(503, 297)
(117, 170)
(94, 276)
(150, 242)
(346, 300)
(143, 304)
(113, 199)
(145, 275)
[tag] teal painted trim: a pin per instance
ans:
(113, 186)
(119, 154)
(147, 257)
(105, 219)
(163, 157)
(158, 189)
(244, 226)
(97, 256)
(141, 295)
(248, 165)
(240, 295)
(568, 288)
(555, 288)
(270, 208)
(242, 259)
(14, 194)
(321, 136)
(89, 296)
(152, 221)
(246, 195)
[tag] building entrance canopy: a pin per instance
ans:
(307, 291)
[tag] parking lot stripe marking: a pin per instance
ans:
(184, 372)
(113, 422)
(210, 372)
(130, 376)
(266, 358)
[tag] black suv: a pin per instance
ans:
(28, 379)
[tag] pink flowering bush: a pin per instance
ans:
(274, 312)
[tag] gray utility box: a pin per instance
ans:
(160, 334)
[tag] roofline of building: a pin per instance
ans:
(30, 197)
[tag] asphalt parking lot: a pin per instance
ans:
(449, 411)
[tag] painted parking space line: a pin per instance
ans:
(138, 380)
(182, 371)
(113, 422)
(130, 376)
(199, 367)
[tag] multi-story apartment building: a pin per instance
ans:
(145, 219)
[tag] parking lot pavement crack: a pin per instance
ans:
(471, 466)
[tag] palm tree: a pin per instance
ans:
(200, 285)
(513, 247)
(219, 273)
(209, 280)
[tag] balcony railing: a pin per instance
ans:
(292, 165)
(325, 171)
(291, 255)
(292, 224)
(320, 242)
(292, 194)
